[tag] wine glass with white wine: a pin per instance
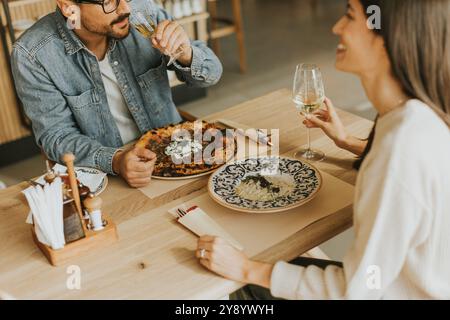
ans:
(308, 95)
(145, 24)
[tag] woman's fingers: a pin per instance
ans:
(309, 124)
(210, 239)
(330, 107)
(323, 114)
(207, 264)
(208, 246)
(315, 121)
(205, 242)
(206, 254)
(206, 239)
(223, 258)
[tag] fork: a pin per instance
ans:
(181, 213)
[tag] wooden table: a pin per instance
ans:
(158, 260)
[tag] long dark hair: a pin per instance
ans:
(416, 34)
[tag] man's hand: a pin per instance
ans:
(135, 166)
(169, 37)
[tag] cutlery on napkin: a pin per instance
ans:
(196, 220)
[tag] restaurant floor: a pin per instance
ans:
(279, 34)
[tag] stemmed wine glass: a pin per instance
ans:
(143, 22)
(308, 95)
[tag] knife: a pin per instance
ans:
(256, 135)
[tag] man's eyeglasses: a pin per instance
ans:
(109, 6)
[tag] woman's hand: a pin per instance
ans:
(330, 123)
(222, 258)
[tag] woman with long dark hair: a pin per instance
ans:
(401, 248)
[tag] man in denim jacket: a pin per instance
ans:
(90, 83)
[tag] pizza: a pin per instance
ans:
(189, 148)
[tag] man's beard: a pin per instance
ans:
(108, 30)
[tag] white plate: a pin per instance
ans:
(86, 171)
(305, 178)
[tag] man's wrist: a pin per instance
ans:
(116, 161)
(186, 58)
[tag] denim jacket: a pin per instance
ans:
(60, 85)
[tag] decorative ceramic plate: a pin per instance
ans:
(265, 184)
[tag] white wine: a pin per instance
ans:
(306, 107)
(143, 23)
(308, 95)
(144, 30)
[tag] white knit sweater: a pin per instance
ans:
(401, 248)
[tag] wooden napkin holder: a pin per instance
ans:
(93, 241)
(82, 239)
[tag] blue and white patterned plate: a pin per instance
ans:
(301, 180)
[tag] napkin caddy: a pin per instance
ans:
(87, 240)
(92, 241)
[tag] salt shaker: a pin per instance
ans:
(93, 205)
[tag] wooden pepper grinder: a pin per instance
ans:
(93, 205)
(69, 159)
